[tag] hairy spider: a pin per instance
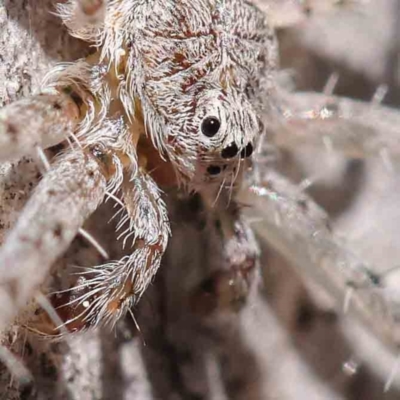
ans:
(173, 96)
(176, 94)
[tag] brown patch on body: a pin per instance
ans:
(160, 170)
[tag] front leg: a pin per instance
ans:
(227, 284)
(225, 294)
(191, 322)
(102, 294)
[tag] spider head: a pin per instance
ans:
(215, 138)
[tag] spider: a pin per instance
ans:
(173, 96)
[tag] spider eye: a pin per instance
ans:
(247, 151)
(210, 126)
(214, 169)
(230, 151)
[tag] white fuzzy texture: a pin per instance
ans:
(145, 229)
(184, 62)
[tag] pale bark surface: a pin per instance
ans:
(288, 343)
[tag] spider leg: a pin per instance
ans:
(43, 120)
(357, 129)
(210, 274)
(226, 291)
(92, 8)
(104, 293)
(295, 226)
(228, 285)
(83, 17)
(66, 196)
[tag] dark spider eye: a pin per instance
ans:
(210, 126)
(214, 169)
(247, 151)
(230, 151)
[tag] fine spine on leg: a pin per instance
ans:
(294, 225)
(354, 128)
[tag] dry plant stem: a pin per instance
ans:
(43, 120)
(16, 181)
(355, 128)
(293, 224)
(65, 197)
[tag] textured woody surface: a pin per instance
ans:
(283, 346)
(43, 120)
